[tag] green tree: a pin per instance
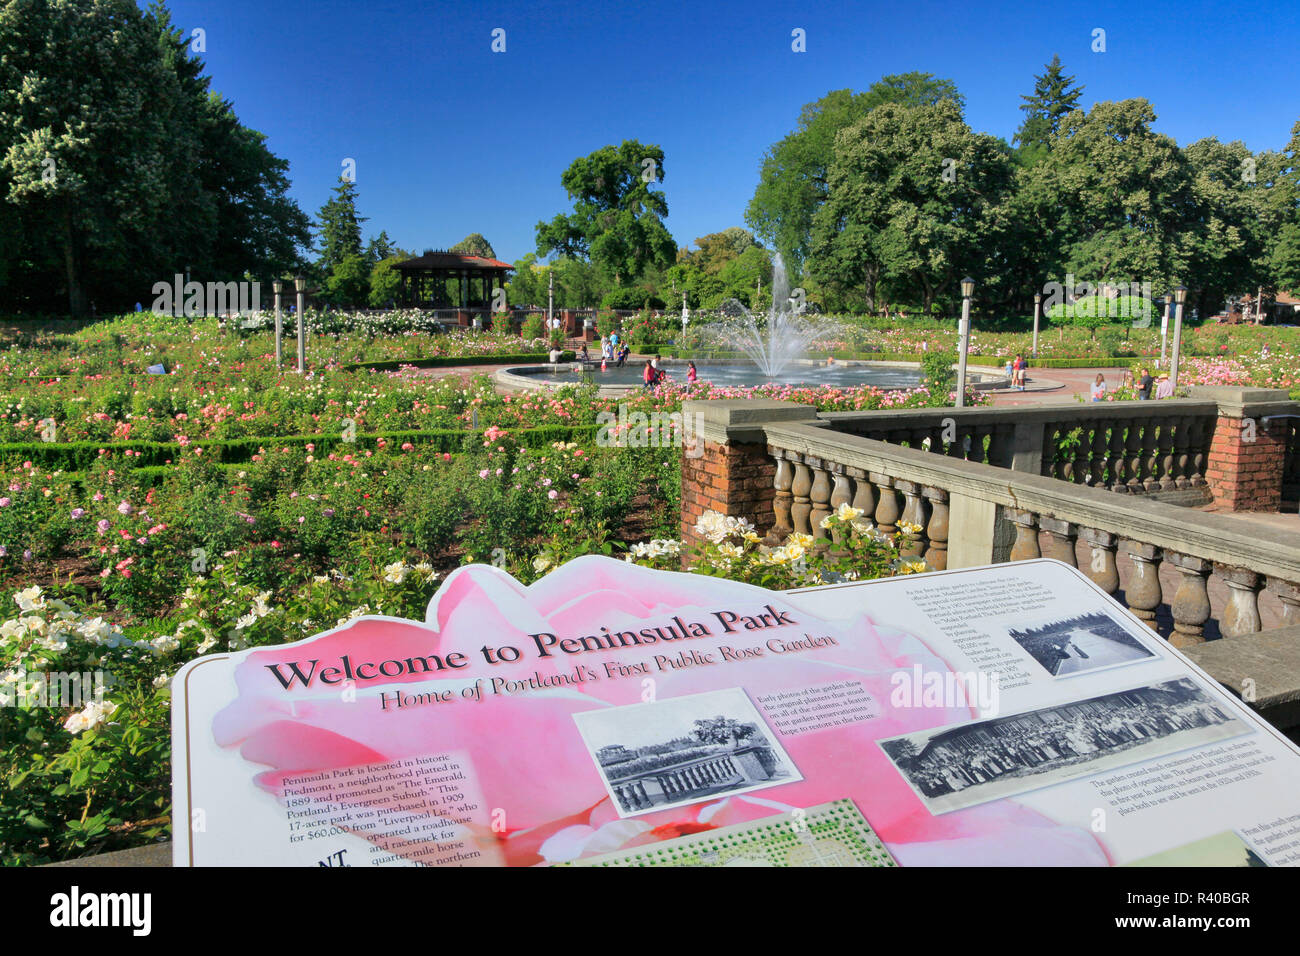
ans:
(1054, 96)
(385, 283)
(348, 283)
(793, 180)
(340, 226)
(381, 247)
(1279, 173)
(474, 245)
(119, 167)
(617, 219)
(528, 284)
(910, 192)
(1108, 200)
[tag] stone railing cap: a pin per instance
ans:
(747, 412)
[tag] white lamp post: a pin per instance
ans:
(967, 290)
(1164, 324)
(300, 283)
(1180, 298)
(685, 313)
(278, 286)
(1038, 311)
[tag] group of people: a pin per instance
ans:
(1015, 371)
(652, 375)
(1012, 749)
(611, 350)
(1164, 388)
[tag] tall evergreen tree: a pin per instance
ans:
(1054, 96)
(339, 226)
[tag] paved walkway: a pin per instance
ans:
(1054, 386)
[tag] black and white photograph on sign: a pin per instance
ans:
(960, 766)
(683, 750)
(1083, 642)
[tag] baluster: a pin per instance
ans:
(1289, 594)
(1142, 593)
(1191, 603)
(936, 439)
(936, 556)
(840, 495)
(1166, 455)
(1135, 460)
(887, 510)
(1199, 430)
(1182, 452)
(864, 493)
(1026, 543)
(1101, 564)
(1051, 436)
(913, 544)
(802, 504)
(1080, 463)
(1115, 460)
(784, 499)
(1098, 463)
(1241, 614)
(1061, 536)
(916, 436)
(821, 500)
(1150, 456)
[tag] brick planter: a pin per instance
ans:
(734, 474)
(1247, 455)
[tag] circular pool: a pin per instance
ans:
(840, 374)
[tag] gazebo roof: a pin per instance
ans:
(451, 260)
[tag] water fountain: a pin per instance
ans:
(775, 340)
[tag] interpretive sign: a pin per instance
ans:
(612, 715)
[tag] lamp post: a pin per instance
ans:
(300, 283)
(1164, 324)
(963, 335)
(685, 313)
(278, 286)
(1180, 298)
(1038, 311)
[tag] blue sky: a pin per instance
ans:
(450, 138)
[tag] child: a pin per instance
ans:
(691, 374)
(1099, 388)
(648, 377)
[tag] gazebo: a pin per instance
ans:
(426, 282)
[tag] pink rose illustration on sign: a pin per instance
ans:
(584, 639)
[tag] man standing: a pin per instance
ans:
(1144, 385)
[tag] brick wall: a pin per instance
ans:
(734, 479)
(1244, 471)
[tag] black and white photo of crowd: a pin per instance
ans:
(1080, 643)
(682, 750)
(960, 766)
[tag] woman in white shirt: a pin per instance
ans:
(1099, 388)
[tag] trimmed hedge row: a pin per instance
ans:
(80, 456)
(444, 361)
(990, 361)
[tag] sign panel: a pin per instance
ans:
(612, 715)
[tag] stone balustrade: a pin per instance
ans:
(971, 512)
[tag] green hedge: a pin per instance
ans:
(445, 361)
(989, 361)
(80, 456)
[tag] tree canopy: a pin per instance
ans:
(119, 167)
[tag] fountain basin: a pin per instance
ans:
(614, 381)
